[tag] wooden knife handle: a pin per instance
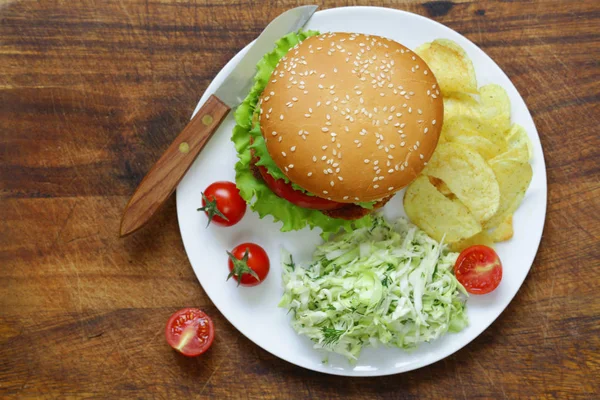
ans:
(161, 181)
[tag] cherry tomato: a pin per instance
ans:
(222, 203)
(478, 269)
(190, 331)
(251, 262)
(286, 191)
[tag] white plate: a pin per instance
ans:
(254, 312)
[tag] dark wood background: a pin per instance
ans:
(92, 92)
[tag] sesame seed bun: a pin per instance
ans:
(351, 117)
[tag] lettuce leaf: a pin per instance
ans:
(256, 192)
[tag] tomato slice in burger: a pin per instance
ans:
(190, 331)
(478, 269)
(286, 191)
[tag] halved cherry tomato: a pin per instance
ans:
(222, 203)
(478, 269)
(190, 331)
(286, 191)
(251, 262)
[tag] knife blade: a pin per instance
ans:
(234, 89)
(162, 179)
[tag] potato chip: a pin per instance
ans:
(513, 178)
(481, 238)
(481, 145)
(468, 176)
(441, 186)
(475, 133)
(518, 154)
(451, 66)
(504, 231)
(495, 107)
(438, 215)
(460, 104)
(517, 138)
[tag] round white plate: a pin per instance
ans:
(253, 311)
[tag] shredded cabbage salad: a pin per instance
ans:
(386, 284)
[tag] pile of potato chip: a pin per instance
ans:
(480, 170)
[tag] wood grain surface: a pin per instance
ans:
(92, 93)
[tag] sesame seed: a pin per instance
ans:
(280, 138)
(291, 166)
(367, 160)
(425, 130)
(391, 157)
(323, 158)
(324, 147)
(309, 174)
(375, 186)
(345, 197)
(325, 129)
(293, 148)
(390, 171)
(281, 117)
(421, 156)
(419, 111)
(433, 122)
(325, 192)
(283, 153)
(314, 158)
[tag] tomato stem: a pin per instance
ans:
(211, 209)
(241, 267)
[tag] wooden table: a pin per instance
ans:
(92, 92)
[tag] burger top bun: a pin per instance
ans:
(351, 117)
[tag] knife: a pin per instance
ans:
(165, 175)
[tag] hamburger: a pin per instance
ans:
(334, 126)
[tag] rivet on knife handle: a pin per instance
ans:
(165, 175)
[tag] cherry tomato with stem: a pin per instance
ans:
(222, 203)
(478, 269)
(249, 264)
(190, 332)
